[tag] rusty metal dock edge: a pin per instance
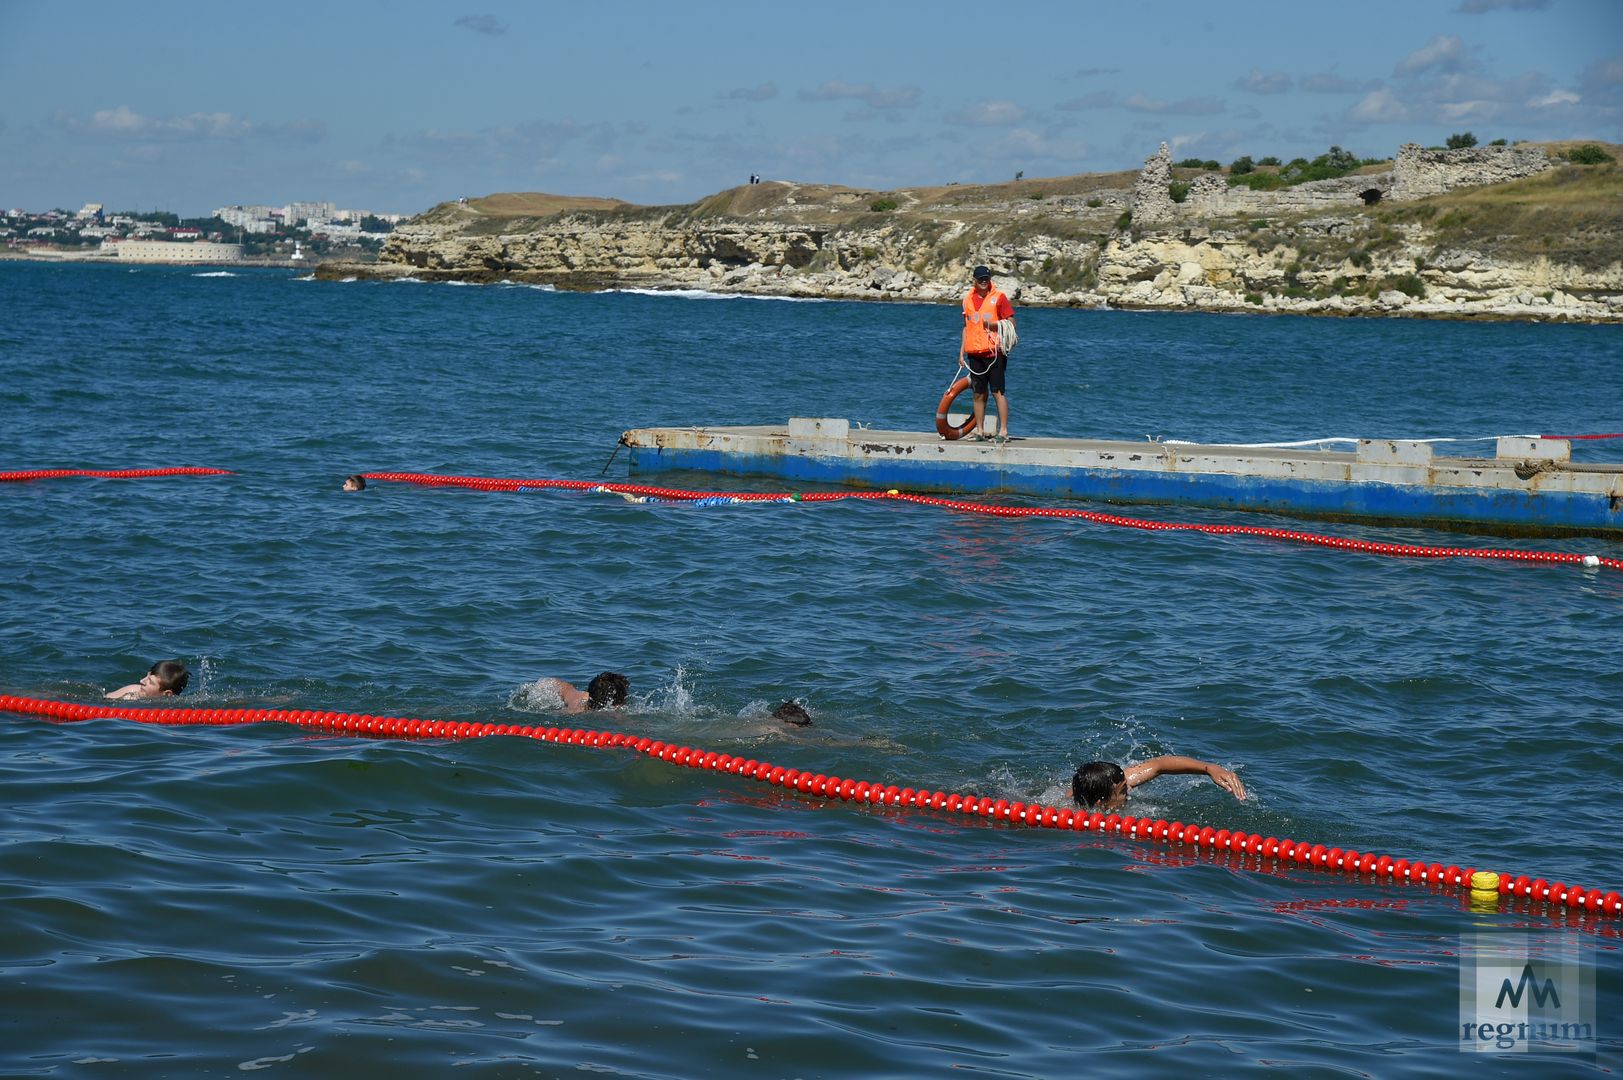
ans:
(1531, 488)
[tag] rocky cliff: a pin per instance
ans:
(1506, 232)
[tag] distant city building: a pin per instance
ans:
(330, 229)
(257, 219)
(90, 210)
(311, 211)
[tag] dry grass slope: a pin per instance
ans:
(1570, 214)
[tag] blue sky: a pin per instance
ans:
(396, 106)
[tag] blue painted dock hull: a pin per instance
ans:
(1480, 495)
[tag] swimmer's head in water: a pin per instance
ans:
(607, 690)
(355, 483)
(168, 677)
(1099, 783)
(792, 712)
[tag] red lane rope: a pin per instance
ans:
(1202, 837)
(108, 474)
(1367, 547)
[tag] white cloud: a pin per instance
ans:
(1177, 142)
(765, 92)
(1184, 107)
(1555, 97)
(1024, 143)
(1476, 109)
(1481, 7)
(875, 97)
(1379, 107)
(125, 123)
(989, 114)
(482, 24)
(1329, 83)
(1264, 82)
(1445, 52)
(1099, 99)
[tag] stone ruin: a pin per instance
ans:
(1415, 174)
(1419, 172)
(1152, 202)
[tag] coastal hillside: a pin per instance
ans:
(1530, 231)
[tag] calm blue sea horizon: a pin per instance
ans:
(208, 901)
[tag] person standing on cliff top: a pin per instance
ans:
(982, 352)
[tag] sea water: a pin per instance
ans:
(207, 901)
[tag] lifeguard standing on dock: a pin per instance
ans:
(988, 326)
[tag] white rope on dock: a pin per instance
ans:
(1335, 439)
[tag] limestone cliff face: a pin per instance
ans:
(1224, 271)
(611, 252)
(1319, 250)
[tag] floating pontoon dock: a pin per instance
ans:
(1530, 488)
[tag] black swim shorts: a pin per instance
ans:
(982, 379)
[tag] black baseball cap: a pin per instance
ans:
(982, 273)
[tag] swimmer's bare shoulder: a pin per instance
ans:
(574, 699)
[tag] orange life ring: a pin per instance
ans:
(942, 427)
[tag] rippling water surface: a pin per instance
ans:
(208, 901)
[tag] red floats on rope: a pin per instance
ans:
(944, 427)
(107, 474)
(1034, 815)
(1363, 547)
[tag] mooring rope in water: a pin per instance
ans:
(107, 474)
(1482, 885)
(1366, 547)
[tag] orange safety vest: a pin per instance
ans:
(978, 339)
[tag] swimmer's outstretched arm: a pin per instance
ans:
(1171, 764)
(125, 693)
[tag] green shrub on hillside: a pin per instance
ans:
(1269, 160)
(1242, 165)
(1178, 190)
(1327, 166)
(880, 206)
(1258, 181)
(1463, 140)
(1589, 154)
(1409, 285)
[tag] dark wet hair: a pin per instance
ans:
(358, 480)
(172, 675)
(609, 688)
(792, 712)
(1094, 781)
